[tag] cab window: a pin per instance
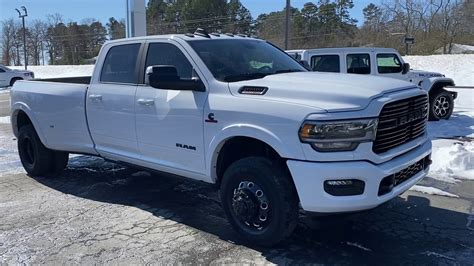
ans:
(325, 63)
(169, 54)
(358, 63)
(388, 63)
(120, 64)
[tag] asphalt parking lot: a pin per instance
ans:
(98, 212)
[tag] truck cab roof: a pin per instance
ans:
(345, 49)
(186, 37)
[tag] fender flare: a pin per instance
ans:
(428, 84)
(242, 130)
(20, 106)
(15, 77)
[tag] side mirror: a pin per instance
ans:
(405, 68)
(305, 64)
(166, 78)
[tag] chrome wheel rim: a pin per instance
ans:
(251, 206)
(441, 106)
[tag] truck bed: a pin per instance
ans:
(57, 110)
(74, 80)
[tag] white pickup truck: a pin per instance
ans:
(236, 112)
(384, 62)
(9, 76)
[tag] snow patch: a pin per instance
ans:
(456, 49)
(4, 120)
(456, 66)
(461, 124)
(357, 245)
(432, 191)
(9, 160)
(452, 160)
(59, 71)
(431, 253)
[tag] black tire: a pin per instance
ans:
(281, 215)
(441, 105)
(58, 163)
(36, 158)
(13, 80)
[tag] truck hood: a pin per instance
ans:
(327, 91)
(425, 74)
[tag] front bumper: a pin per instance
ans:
(309, 180)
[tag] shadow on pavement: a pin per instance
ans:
(458, 126)
(401, 231)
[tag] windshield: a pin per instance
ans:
(236, 60)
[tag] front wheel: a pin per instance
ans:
(259, 200)
(36, 158)
(441, 106)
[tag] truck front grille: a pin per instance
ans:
(400, 122)
(391, 181)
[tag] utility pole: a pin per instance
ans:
(22, 16)
(287, 24)
(136, 18)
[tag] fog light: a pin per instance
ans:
(344, 187)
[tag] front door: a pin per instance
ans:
(111, 103)
(389, 65)
(170, 122)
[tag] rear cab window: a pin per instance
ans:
(388, 63)
(358, 63)
(326, 63)
(120, 64)
(296, 56)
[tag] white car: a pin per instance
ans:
(384, 62)
(236, 112)
(9, 76)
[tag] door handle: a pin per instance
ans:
(95, 97)
(146, 102)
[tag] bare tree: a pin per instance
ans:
(17, 43)
(36, 38)
(8, 33)
(450, 22)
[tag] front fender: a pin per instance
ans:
(21, 106)
(251, 131)
(430, 83)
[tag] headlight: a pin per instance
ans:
(342, 135)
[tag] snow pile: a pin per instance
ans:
(58, 71)
(457, 49)
(432, 191)
(458, 67)
(452, 160)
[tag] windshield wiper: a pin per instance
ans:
(246, 76)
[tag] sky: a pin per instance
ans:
(78, 10)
